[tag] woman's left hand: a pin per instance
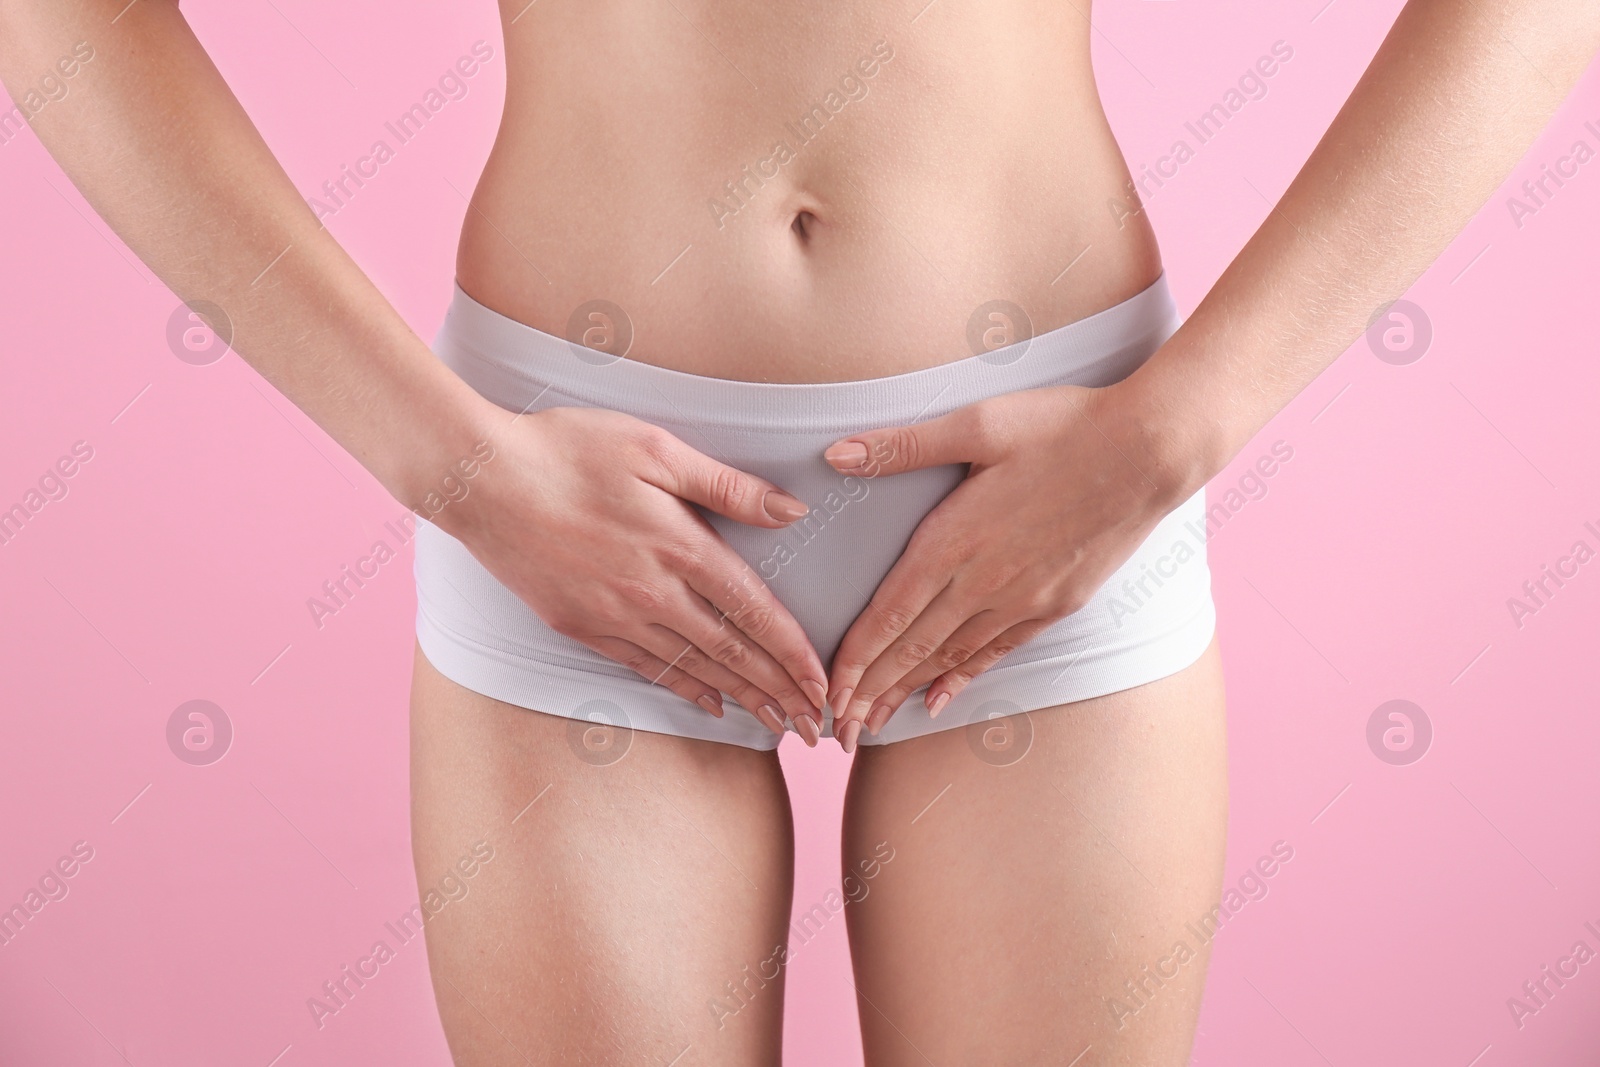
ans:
(1065, 483)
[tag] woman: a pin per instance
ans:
(810, 368)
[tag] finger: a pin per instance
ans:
(736, 650)
(908, 588)
(952, 682)
(958, 437)
(678, 651)
(688, 473)
(907, 652)
(733, 589)
(659, 672)
(967, 640)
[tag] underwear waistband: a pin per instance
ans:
(515, 365)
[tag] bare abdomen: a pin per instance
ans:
(744, 191)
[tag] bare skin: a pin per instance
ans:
(616, 905)
(978, 166)
(1082, 839)
(1029, 875)
(973, 164)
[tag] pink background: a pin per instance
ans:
(1378, 566)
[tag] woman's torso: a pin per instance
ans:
(654, 155)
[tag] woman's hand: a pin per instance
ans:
(585, 514)
(1065, 483)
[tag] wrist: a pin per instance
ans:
(440, 474)
(1177, 435)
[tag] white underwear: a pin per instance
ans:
(1152, 618)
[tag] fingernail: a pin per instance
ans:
(770, 717)
(711, 704)
(879, 716)
(846, 454)
(783, 507)
(816, 692)
(847, 739)
(807, 728)
(842, 701)
(938, 705)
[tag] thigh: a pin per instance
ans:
(1043, 872)
(596, 895)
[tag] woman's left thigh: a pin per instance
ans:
(1047, 874)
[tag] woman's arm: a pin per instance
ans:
(1455, 95)
(1453, 98)
(157, 143)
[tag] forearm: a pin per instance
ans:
(1452, 100)
(159, 146)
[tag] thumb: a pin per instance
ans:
(948, 439)
(696, 477)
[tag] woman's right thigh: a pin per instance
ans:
(596, 895)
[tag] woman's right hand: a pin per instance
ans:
(586, 515)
